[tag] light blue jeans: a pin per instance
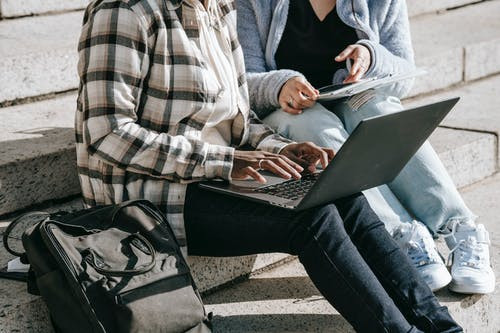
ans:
(423, 190)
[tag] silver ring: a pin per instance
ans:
(260, 164)
(290, 102)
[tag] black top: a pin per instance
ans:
(309, 45)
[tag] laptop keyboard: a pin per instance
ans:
(291, 189)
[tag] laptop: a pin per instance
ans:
(374, 154)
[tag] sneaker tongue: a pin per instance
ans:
(479, 234)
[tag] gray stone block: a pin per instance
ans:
(39, 55)
(478, 109)
(482, 59)
(444, 69)
(13, 8)
(38, 160)
(467, 156)
(418, 7)
(21, 312)
(452, 47)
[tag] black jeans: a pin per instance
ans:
(343, 246)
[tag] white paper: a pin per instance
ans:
(15, 265)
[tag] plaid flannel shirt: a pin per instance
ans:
(143, 101)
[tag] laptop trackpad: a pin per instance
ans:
(271, 178)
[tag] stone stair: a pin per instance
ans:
(17, 8)
(38, 99)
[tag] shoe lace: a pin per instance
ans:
(421, 250)
(469, 253)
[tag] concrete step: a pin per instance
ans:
(38, 160)
(39, 53)
(453, 49)
(478, 109)
(15, 8)
(468, 156)
(419, 7)
(283, 299)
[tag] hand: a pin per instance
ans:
(297, 94)
(362, 61)
(308, 155)
(247, 163)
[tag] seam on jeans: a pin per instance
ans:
(417, 314)
(347, 281)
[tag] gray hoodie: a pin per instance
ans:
(381, 25)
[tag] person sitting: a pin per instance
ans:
(163, 104)
(292, 47)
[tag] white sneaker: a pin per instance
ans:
(471, 269)
(415, 239)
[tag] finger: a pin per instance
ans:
(316, 91)
(323, 158)
(254, 174)
(274, 168)
(319, 153)
(305, 102)
(295, 165)
(287, 167)
(330, 152)
(355, 66)
(359, 74)
(344, 54)
(306, 89)
(299, 101)
(300, 161)
(289, 109)
(350, 79)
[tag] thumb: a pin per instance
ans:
(345, 54)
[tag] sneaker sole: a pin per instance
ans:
(472, 289)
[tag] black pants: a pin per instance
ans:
(343, 246)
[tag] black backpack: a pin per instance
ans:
(114, 268)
